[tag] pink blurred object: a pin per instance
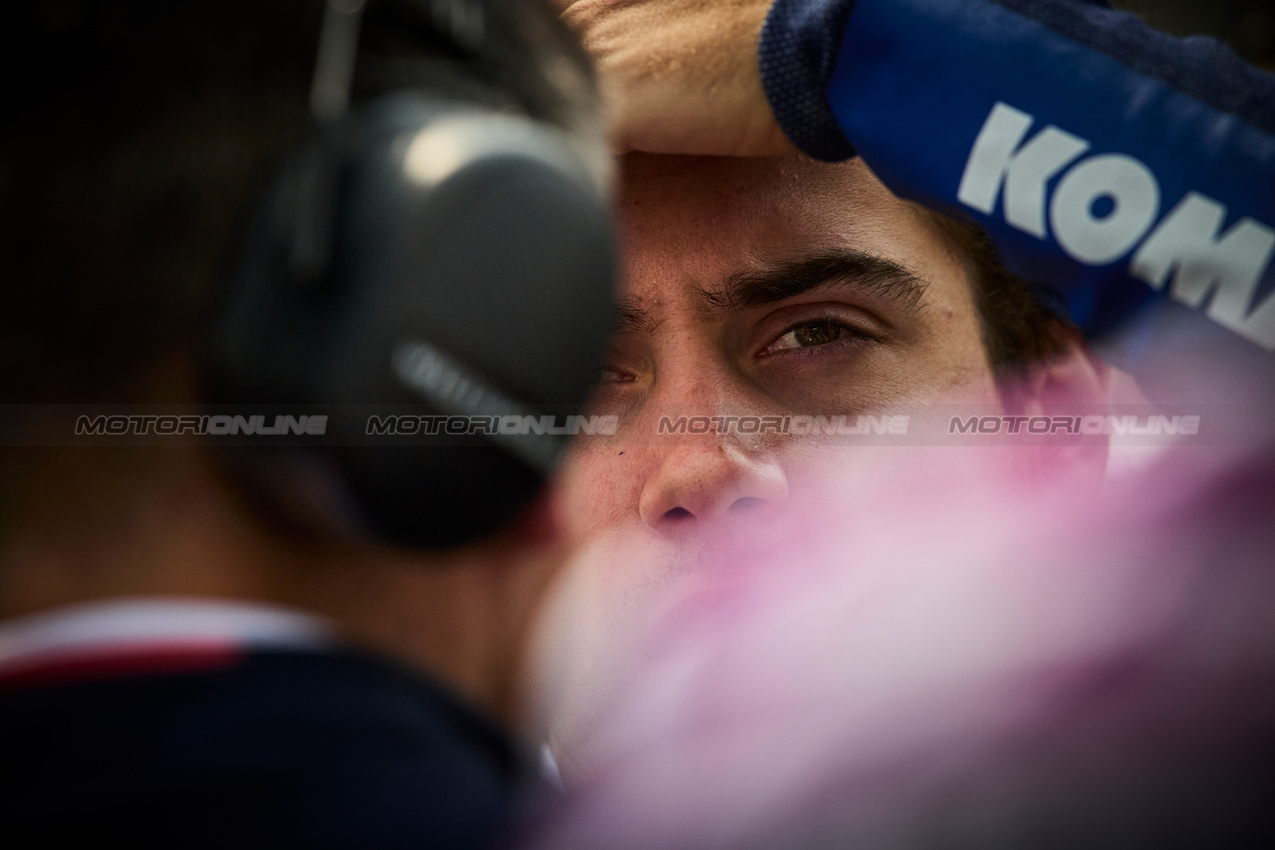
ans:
(959, 656)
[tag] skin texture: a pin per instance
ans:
(688, 226)
(650, 512)
(680, 76)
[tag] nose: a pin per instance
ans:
(711, 482)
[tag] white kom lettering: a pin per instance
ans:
(999, 158)
(1132, 189)
(1206, 263)
(1187, 245)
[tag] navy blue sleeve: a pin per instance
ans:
(1112, 164)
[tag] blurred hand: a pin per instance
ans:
(680, 76)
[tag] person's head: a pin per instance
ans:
(772, 288)
(784, 287)
(141, 134)
(140, 137)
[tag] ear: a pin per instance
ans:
(1072, 382)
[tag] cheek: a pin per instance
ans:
(601, 482)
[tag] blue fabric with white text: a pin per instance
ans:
(1112, 165)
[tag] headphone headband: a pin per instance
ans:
(334, 63)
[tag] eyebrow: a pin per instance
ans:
(630, 317)
(779, 281)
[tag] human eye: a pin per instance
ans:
(821, 335)
(615, 375)
(625, 376)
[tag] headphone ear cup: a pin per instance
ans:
(313, 205)
(279, 307)
(437, 497)
(475, 238)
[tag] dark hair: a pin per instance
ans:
(140, 133)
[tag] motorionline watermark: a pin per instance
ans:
(792, 424)
(1091, 425)
(216, 425)
(509, 426)
(362, 425)
(316, 425)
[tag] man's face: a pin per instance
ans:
(762, 287)
(756, 287)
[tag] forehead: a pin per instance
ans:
(689, 222)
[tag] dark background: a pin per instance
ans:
(1248, 26)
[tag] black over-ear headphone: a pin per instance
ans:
(424, 255)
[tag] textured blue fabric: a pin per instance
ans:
(797, 54)
(914, 82)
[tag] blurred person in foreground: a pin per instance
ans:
(772, 645)
(179, 666)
